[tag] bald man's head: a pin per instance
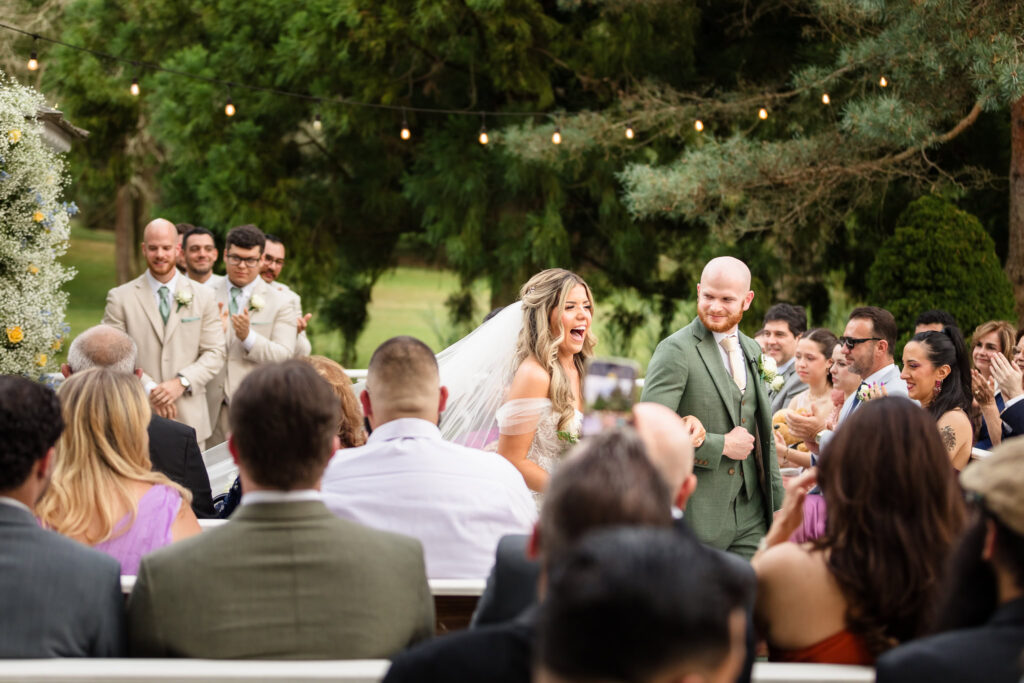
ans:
(667, 439)
(101, 346)
(160, 246)
(402, 381)
(723, 294)
(159, 226)
(727, 270)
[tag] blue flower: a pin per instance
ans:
(4, 175)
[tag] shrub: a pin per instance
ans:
(939, 257)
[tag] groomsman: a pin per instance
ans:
(273, 262)
(258, 322)
(783, 323)
(200, 251)
(176, 328)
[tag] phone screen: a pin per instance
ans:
(609, 391)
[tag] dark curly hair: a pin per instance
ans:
(30, 424)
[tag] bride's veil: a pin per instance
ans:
(477, 370)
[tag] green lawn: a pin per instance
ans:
(92, 254)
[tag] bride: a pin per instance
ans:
(518, 377)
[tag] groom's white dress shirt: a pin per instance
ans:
(457, 501)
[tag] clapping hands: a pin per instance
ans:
(1007, 376)
(984, 389)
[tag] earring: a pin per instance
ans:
(937, 390)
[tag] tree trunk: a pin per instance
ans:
(1015, 256)
(124, 234)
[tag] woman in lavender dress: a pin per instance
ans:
(102, 491)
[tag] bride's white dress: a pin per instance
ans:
(521, 416)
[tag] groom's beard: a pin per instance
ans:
(726, 326)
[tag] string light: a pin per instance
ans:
(317, 122)
(134, 87)
(556, 137)
(483, 130)
(630, 133)
(405, 133)
(883, 82)
(762, 113)
(825, 99)
(33, 63)
(229, 108)
(698, 126)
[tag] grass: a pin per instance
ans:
(92, 254)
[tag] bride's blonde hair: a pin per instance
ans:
(104, 448)
(543, 293)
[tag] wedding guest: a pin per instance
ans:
(762, 339)
(179, 259)
(844, 383)
(871, 581)
(350, 425)
(58, 598)
(607, 481)
(783, 325)
(990, 339)
(103, 492)
(200, 251)
(1008, 378)
(173, 448)
(936, 370)
(457, 501)
(813, 362)
(934, 320)
(619, 608)
(270, 270)
(285, 579)
(981, 618)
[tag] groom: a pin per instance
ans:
(709, 369)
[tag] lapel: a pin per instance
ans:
(144, 296)
(262, 290)
(175, 318)
(712, 357)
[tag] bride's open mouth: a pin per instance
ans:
(578, 333)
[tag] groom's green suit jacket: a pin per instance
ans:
(688, 375)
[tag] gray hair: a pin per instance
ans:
(103, 346)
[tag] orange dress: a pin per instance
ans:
(841, 648)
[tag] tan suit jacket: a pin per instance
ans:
(191, 343)
(282, 581)
(274, 329)
(302, 346)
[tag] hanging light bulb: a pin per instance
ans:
(630, 133)
(405, 133)
(698, 125)
(317, 122)
(134, 87)
(825, 99)
(483, 136)
(883, 82)
(762, 113)
(33, 63)
(556, 137)
(229, 107)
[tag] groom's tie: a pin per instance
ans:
(739, 374)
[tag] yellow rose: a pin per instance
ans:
(38, 216)
(56, 345)
(41, 360)
(14, 135)
(33, 268)
(14, 334)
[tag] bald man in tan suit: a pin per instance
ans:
(176, 327)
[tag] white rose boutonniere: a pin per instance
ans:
(256, 303)
(183, 297)
(769, 371)
(778, 382)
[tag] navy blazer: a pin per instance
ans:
(174, 451)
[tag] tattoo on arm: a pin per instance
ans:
(948, 437)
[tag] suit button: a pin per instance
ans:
(732, 470)
(743, 421)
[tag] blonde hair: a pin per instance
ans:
(350, 424)
(1004, 331)
(104, 448)
(543, 293)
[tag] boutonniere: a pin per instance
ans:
(183, 297)
(256, 303)
(770, 372)
(867, 392)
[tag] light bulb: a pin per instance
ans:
(698, 125)
(33, 63)
(483, 137)
(317, 123)
(556, 137)
(229, 108)
(134, 88)
(630, 133)
(762, 113)
(825, 99)
(882, 82)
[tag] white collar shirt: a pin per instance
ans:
(155, 285)
(457, 501)
(297, 496)
(785, 367)
(246, 294)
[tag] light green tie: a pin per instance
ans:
(165, 303)
(233, 306)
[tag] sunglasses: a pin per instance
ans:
(850, 342)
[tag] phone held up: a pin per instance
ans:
(609, 392)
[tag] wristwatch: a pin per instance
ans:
(185, 383)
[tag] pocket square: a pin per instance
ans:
(260, 322)
(190, 320)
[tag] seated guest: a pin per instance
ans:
(57, 597)
(458, 501)
(812, 361)
(990, 339)
(284, 579)
(982, 617)
(641, 605)
(871, 581)
(173, 449)
(783, 325)
(936, 370)
(934, 320)
(104, 492)
(606, 481)
(1009, 381)
(350, 426)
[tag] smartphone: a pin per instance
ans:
(609, 392)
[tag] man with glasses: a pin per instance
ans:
(273, 262)
(258, 322)
(174, 324)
